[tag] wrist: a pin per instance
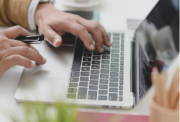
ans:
(41, 12)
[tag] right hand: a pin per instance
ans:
(13, 52)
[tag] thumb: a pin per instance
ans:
(54, 38)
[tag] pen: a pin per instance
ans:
(35, 39)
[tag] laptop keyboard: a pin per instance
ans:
(96, 76)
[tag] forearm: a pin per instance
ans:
(14, 12)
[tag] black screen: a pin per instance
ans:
(157, 41)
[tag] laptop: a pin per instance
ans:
(119, 77)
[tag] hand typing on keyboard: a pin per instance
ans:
(54, 23)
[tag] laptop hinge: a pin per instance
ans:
(133, 75)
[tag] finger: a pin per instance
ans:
(93, 28)
(28, 53)
(15, 31)
(81, 32)
(54, 38)
(17, 60)
(15, 43)
(105, 36)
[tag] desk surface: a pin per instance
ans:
(112, 17)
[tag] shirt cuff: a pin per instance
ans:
(31, 11)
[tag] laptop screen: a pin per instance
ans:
(157, 42)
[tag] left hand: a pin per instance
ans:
(54, 23)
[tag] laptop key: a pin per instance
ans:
(114, 69)
(103, 92)
(105, 57)
(72, 96)
(114, 60)
(113, 85)
(115, 55)
(114, 74)
(106, 52)
(95, 67)
(86, 59)
(104, 76)
(72, 90)
(86, 64)
(83, 84)
(121, 62)
(115, 65)
(94, 71)
(75, 74)
(122, 48)
(103, 81)
(87, 54)
(85, 68)
(116, 38)
(112, 97)
(114, 79)
(96, 57)
(93, 82)
(105, 66)
(74, 79)
(120, 92)
(84, 78)
(93, 87)
(116, 34)
(96, 53)
(107, 48)
(95, 62)
(115, 51)
(113, 89)
(115, 43)
(82, 93)
(122, 58)
(120, 87)
(73, 84)
(120, 98)
(121, 82)
(102, 97)
(84, 73)
(103, 86)
(94, 76)
(115, 46)
(105, 61)
(92, 95)
(104, 71)
(121, 67)
(122, 35)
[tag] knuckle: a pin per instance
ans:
(81, 29)
(18, 27)
(25, 50)
(95, 25)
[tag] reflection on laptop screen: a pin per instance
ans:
(157, 41)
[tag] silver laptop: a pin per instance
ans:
(119, 77)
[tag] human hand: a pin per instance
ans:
(54, 23)
(13, 52)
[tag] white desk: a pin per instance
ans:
(113, 17)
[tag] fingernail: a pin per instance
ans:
(92, 47)
(55, 42)
(110, 43)
(32, 64)
(44, 60)
(102, 50)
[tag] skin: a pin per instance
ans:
(53, 24)
(13, 52)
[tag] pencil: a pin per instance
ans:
(163, 90)
(174, 90)
(156, 83)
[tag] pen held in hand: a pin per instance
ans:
(35, 39)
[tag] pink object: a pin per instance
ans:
(106, 117)
(155, 70)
